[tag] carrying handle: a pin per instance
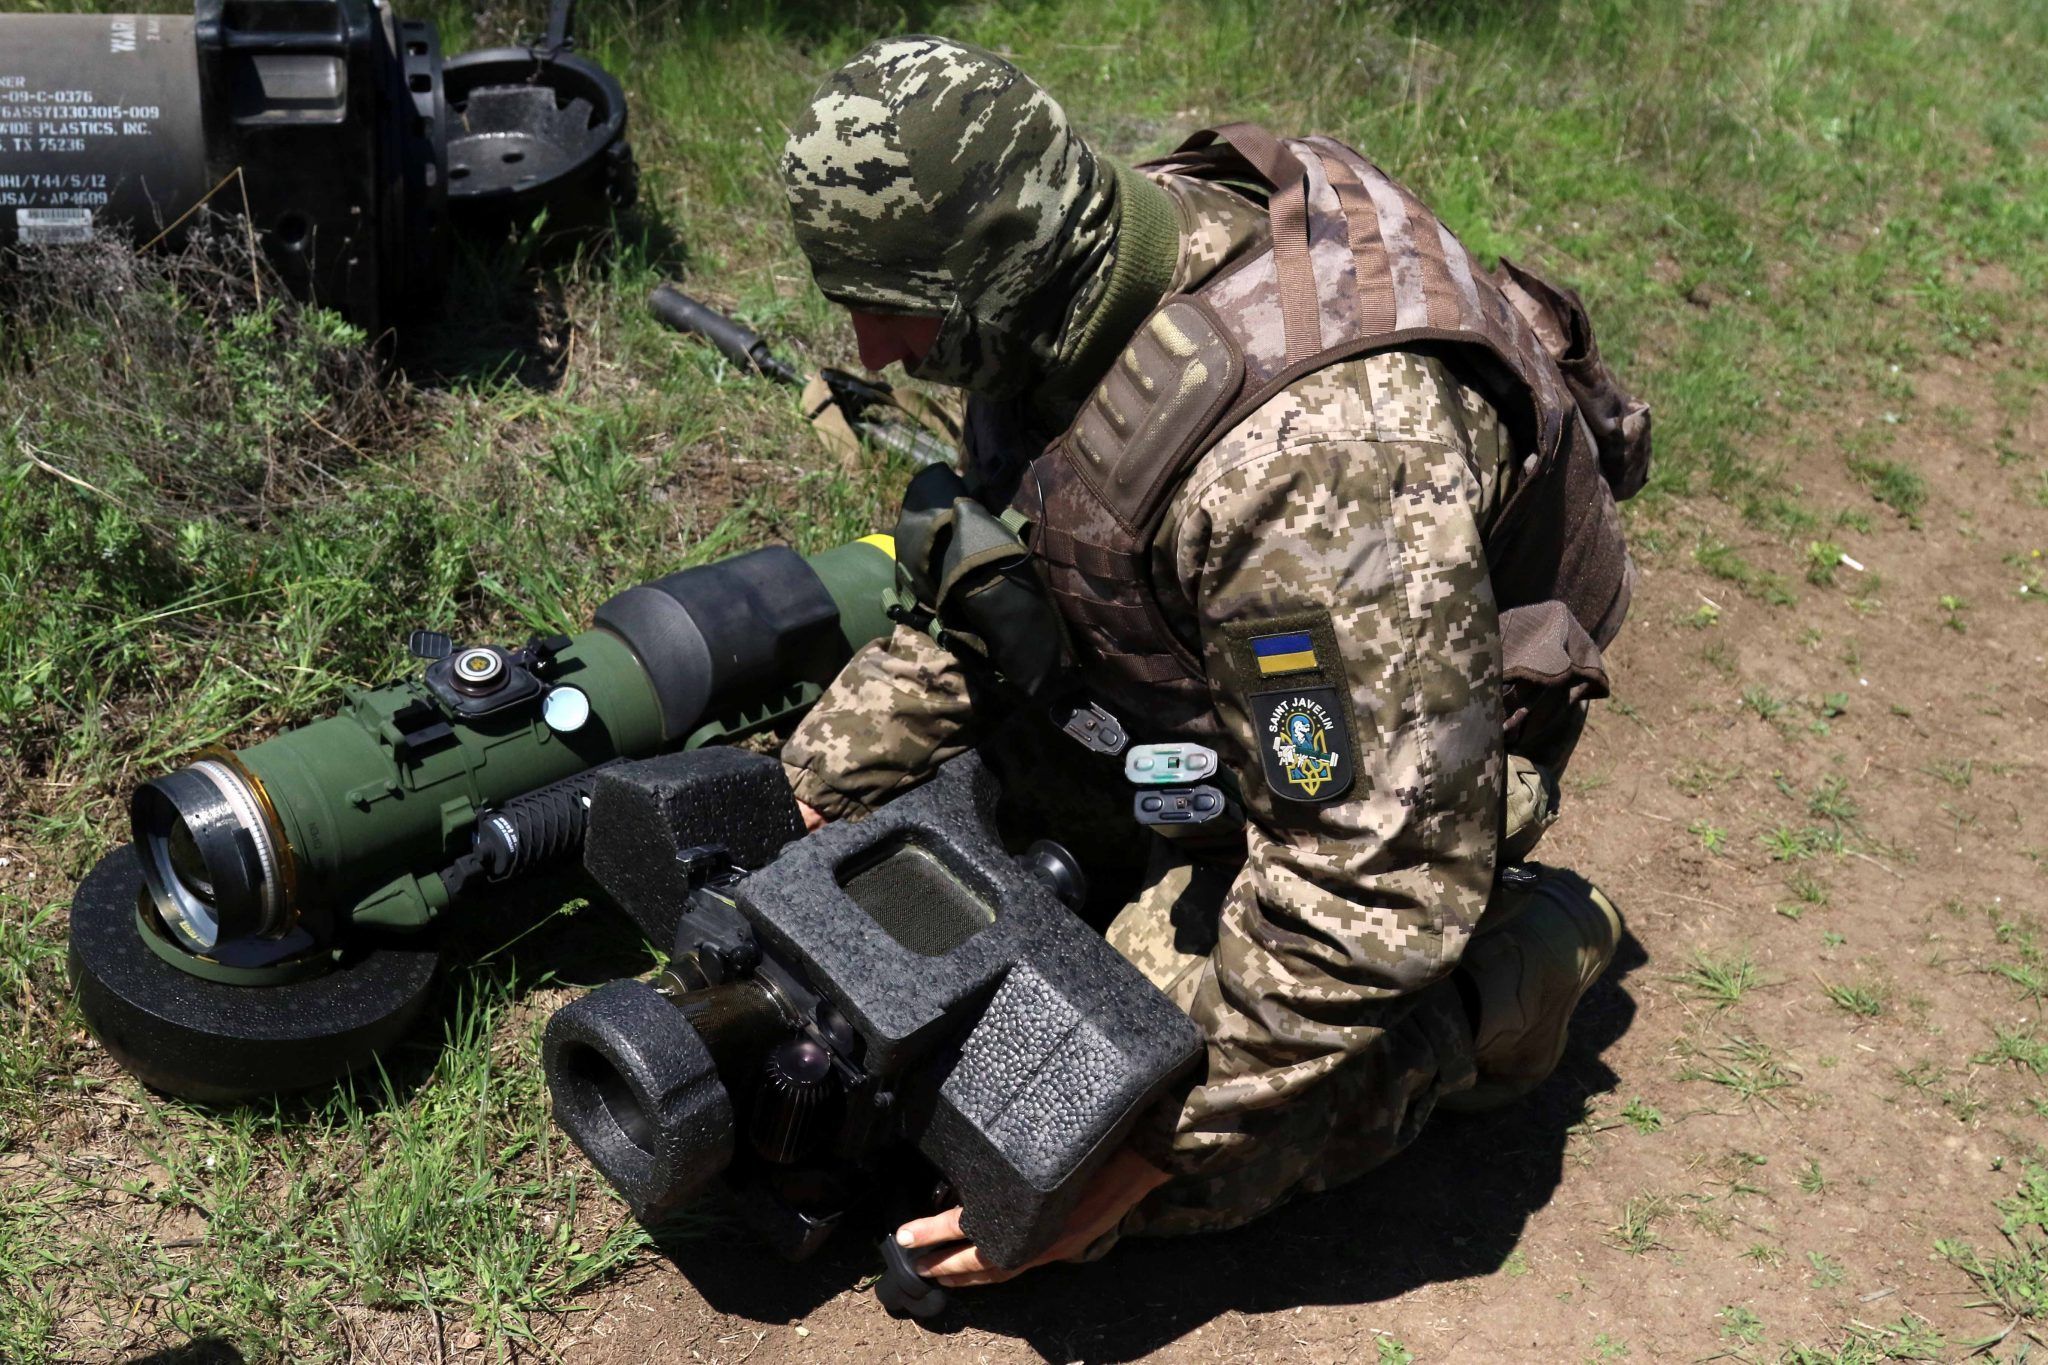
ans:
(1275, 163)
(559, 39)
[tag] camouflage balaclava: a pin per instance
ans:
(930, 177)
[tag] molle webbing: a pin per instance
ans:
(1287, 211)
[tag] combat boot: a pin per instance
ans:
(1527, 976)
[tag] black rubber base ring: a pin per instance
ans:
(202, 1040)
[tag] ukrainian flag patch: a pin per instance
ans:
(1294, 652)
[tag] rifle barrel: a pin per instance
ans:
(854, 397)
(734, 339)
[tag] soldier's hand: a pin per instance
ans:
(813, 822)
(1116, 1189)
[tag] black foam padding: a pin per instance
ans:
(1037, 1043)
(644, 815)
(203, 1040)
(637, 1089)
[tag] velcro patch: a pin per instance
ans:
(1290, 673)
(1303, 742)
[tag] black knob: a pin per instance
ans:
(791, 1109)
(730, 961)
(904, 1292)
(1059, 871)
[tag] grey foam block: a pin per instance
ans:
(644, 816)
(1041, 1045)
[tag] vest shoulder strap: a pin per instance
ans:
(1258, 157)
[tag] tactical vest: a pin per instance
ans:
(1356, 265)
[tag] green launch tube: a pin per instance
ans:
(261, 858)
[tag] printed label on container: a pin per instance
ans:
(47, 227)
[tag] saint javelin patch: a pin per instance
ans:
(1303, 743)
(1294, 652)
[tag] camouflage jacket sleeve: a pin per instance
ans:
(1360, 491)
(897, 710)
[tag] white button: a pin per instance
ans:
(565, 710)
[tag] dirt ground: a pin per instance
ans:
(1556, 1230)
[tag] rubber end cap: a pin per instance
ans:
(637, 1089)
(216, 1043)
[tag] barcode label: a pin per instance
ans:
(46, 227)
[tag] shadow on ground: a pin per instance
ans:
(506, 314)
(1450, 1208)
(198, 1351)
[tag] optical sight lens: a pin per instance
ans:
(208, 857)
(188, 864)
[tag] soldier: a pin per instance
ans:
(1298, 480)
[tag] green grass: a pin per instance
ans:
(1822, 559)
(1739, 1324)
(2013, 1281)
(1864, 1001)
(446, 1190)
(212, 521)
(1806, 889)
(1720, 980)
(2025, 1050)
(1635, 1229)
(1896, 485)
(1766, 706)
(1748, 1069)
(2028, 967)
(1723, 562)
(1712, 837)
(33, 1007)
(1785, 844)
(1641, 1115)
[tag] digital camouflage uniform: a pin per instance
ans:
(1315, 956)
